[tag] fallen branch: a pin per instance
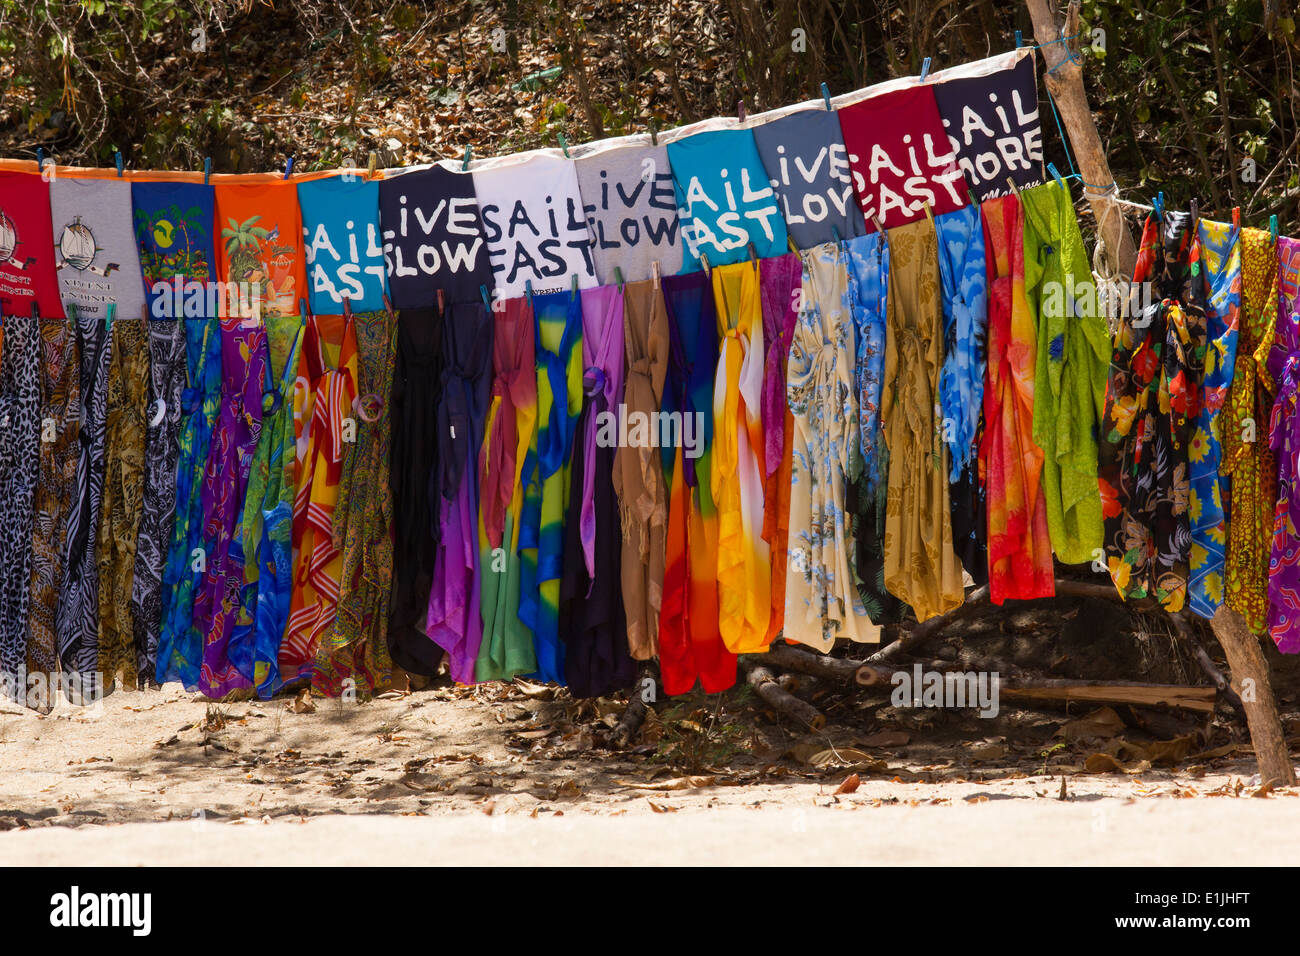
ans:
(776, 697)
(787, 657)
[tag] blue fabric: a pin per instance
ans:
(965, 320)
(868, 268)
(345, 254)
(173, 230)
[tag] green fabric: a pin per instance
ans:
(1070, 375)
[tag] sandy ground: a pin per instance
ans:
(497, 777)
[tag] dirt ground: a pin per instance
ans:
(395, 778)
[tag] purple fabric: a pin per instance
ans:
(454, 623)
(1284, 439)
(780, 279)
(602, 380)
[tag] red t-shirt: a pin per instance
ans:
(901, 157)
(27, 271)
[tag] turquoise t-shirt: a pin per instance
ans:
(345, 252)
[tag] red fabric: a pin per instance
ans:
(27, 273)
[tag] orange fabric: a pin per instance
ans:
(259, 241)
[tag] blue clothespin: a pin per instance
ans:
(564, 144)
(1158, 204)
(1051, 168)
(1272, 226)
(925, 68)
(528, 287)
(1018, 41)
(288, 168)
(40, 159)
(483, 292)
(464, 164)
(302, 306)
(826, 95)
(207, 169)
(117, 158)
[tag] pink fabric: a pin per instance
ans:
(603, 366)
(780, 279)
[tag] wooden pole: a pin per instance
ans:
(1064, 79)
(1247, 663)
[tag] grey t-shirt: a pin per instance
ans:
(627, 194)
(808, 166)
(94, 247)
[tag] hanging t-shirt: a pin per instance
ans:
(95, 252)
(345, 257)
(901, 157)
(992, 123)
(433, 238)
(808, 166)
(173, 233)
(536, 231)
(27, 247)
(627, 195)
(259, 246)
(724, 200)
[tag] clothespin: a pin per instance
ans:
(1018, 41)
(618, 276)
(1051, 168)
(925, 68)
(482, 290)
(740, 110)
(654, 272)
(464, 163)
(372, 163)
(1196, 214)
(1272, 226)
(40, 159)
(574, 284)
(288, 167)
(654, 133)
(835, 233)
(929, 213)
(108, 316)
(826, 95)
(302, 308)
(207, 169)
(1236, 217)
(564, 144)
(1014, 188)
(704, 261)
(528, 288)
(442, 301)
(753, 253)
(1158, 205)
(117, 158)
(790, 242)
(884, 236)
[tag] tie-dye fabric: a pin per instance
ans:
(56, 485)
(1221, 261)
(1019, 548)
(1070, 375)
(454, 622)
(353, 653)
(1247, 458)
(180, 649)
(506, 649)
(123, 500)
(324, 398)
(266, 526)
(1284, 440)
(744, 558)
(821, 600)
(1151, 405)
(920, 565)
(690, 647)
(557, 332)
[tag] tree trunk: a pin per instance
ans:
(1247, 663)
(1066, 86)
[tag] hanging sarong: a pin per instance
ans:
(127, 408)
(1151, 404)
(921, 568)
(167, 380)
(592, 621)
(821, 599)
(265, 535)
(180, 649)
(416, 384)
(557, 334)
(1011, 464)
(1073, 355)
(781, 284)
(507, 646)
(56, 484)
(1284, 440)
(690, 647)
(325, 421)
(1247, 456)
(1221, 259)
(20, 434)
(353, 653)
(739, 459)
(454, 621)
(77, 620)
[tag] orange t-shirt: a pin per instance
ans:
(259, 242)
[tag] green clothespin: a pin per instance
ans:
(207, 169)
(574, 284)
(108, 316)
(464, 165)
(564, 144)
(1272, 226)
(618, 276)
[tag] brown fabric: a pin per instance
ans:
(123, 500)
(638, 471)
